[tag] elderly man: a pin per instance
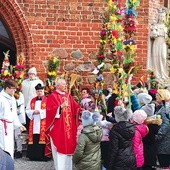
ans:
(61, 126)
(28, 88)
(28, 85)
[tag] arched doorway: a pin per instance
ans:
(6, 43)
(19, 39)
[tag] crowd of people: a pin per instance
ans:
(131, 135)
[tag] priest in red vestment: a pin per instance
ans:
(61, 126)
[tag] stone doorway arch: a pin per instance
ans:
(16, 25)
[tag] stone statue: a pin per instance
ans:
(157, 55)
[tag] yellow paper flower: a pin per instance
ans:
(21, 75)
(120, 39)
(49, 73)
(110, 4)
(6, 73)
(115, 88)
(114, 40)
(132, 47)
(54, 73)
(103, 41)
(113, 70)
(114, 7)
(102, 84)
(113, 18)
(54, 59)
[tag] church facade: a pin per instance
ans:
(68, 29)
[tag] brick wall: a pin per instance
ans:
(40, 26)
(62, 24)
(153, 6)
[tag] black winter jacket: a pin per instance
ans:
(121, 152)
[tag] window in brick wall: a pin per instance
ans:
(167, 3)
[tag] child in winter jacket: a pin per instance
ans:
(121, 151)
(87, 155)
(141, 130)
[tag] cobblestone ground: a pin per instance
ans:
(26, 164)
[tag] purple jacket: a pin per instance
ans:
(141, 131)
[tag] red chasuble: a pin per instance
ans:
(62, 130)
(42, 123)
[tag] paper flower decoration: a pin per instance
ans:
(52, 68)
(117, 45)
(18, 74)
(53, 65)
(129, 44)
(5, 70)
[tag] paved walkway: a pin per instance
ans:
(26, 164)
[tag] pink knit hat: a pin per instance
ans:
(139, 116)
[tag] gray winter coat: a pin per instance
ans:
(87, 155)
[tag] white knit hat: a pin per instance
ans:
(139, 116)
(144, 98)
(32, 71)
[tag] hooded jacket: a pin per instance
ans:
(141, 131)
(122, 156)
(87, 155)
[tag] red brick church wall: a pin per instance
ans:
(40, 26)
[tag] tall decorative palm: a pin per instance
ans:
(6, 69)
(117, 45)
(51, 68)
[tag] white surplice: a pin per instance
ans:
(37, 118)
(8, 121)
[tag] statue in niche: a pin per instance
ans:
(158, 51)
